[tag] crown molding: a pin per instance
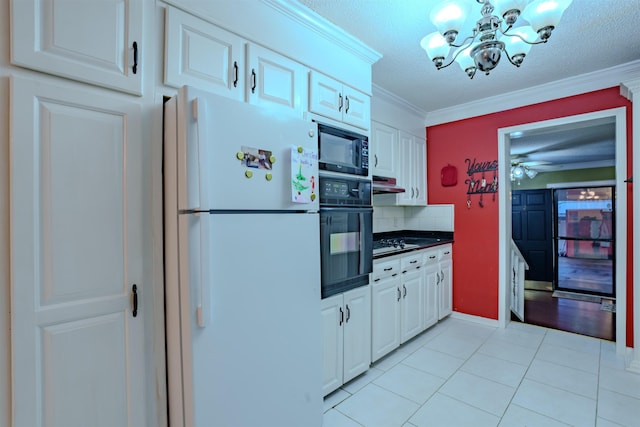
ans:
(588, 82)
(393, 99)
(630, 87)
(310, 19)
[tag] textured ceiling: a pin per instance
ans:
(592, 35)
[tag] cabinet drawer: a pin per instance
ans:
(386, 268)
(410, 262)
(431, 256)
(446, 253)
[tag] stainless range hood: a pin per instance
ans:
(385, 185)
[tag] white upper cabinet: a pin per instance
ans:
(332, 99)
(411, 164)
(275, 81)
(203, 55)
(384, 149)
(96, 42)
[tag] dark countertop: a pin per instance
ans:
(415, 240)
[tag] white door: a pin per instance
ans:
(77, 230)
(200, 54)
(325, 96)
(357, 108)
(412, 308)
(406, 168)
(419, 153)
(260, 347)
(357, 332)
(384, 145)
(431, 295)
(385, 317)
(446, 282)
(332, 331)
(276, 82)
(97, 42)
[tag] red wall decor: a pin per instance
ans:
(475, 275)
(449, 176)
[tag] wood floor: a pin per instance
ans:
(581, 317)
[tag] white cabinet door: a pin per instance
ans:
(357, 332)
(419, 154)
(412, 169)
(445, 282)
(332, 99)
(325, 96)
(384, 149)
(333, 332)
(431, 302)
(275, 81)
(77, 239)
(385, 317)
(412, 304)
(357, 108)
(97, 42)
(203, 55)
(405, 166)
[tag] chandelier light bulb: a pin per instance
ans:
(449, 17)
(544, 15)
(510, 10)
(515, 43)
(436, 47)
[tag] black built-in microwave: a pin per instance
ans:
(343, 151)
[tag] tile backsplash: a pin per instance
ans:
(427, 218)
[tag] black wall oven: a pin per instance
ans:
(346, 234)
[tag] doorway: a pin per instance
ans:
(505, 219)
(566, 237)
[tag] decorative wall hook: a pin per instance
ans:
(479, 184)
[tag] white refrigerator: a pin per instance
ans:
(242, 265)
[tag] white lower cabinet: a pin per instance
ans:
(409, 293)
(412, 296)
(346, 324)
(445, 281)
(431, 272)
(385, 307)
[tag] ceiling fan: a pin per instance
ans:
(520, 168)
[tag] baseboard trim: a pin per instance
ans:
(476, 319)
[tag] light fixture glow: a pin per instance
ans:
(493, 34)
(518, 172)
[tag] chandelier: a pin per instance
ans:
(492, 34)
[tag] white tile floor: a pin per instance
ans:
(460, 373)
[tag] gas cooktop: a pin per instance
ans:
(388, 246)
(383, 246)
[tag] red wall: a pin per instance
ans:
(475, 288)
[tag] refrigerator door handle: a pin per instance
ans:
(203, 310)
(199, 189)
